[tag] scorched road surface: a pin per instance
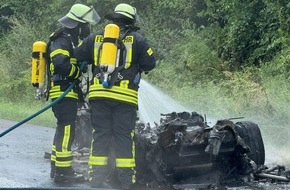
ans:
(22, 162)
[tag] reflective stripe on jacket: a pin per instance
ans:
(139, 58)
(63, 66)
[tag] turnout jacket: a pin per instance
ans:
(138, 57)
(63, 65)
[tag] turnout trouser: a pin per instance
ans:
(65, 112)
(113, 120)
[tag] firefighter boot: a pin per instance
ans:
(126, 177)
(98, 177)
(67, 175)
(52, 170)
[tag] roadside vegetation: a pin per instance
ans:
(18, 111)
(226, 58)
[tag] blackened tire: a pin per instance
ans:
(251, 134)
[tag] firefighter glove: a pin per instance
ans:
(84, 67)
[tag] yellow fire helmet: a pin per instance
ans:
(123, 10)
(80, 13)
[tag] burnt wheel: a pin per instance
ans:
(251, 134)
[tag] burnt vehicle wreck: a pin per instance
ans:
(183, 147)
(183, 151)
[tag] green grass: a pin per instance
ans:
(18, 111)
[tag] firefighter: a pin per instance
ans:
(64, 69)
(114, 102)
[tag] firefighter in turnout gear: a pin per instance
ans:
(64, 69)
(114, 105)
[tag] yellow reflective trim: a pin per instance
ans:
(77, 73)
(99, 38)
(73, 60)
(80, 43)
(98, 42)
(51, 68)
(129, 56)
(59, 51)
(66, 137)
(125, 162)
(116, 93)
(129, 59)
(114, 96)
(53, 158)
(53, 96)
(118, 89)
(55, 93)
(133, 144)
(95, 56)
(150, 51)
(64, 154)
(134, 177)
(128, 40)
(98, 160)
(63, 164)
(96, 82)
(124, 83)
(72, 70)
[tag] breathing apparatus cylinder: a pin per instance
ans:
(38, 65)
(110, 52)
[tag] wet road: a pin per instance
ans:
(22, 162)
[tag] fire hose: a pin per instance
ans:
(43, 109)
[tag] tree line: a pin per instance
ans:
(193, 40)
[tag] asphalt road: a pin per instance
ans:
(23, 166)
(22, 162)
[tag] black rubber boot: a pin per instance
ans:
(68, 176)
(99, 177)
(125, 176)
(52, 170)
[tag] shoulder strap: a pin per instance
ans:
(56, 34)
(115, 74)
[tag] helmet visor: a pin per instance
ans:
(91, 16)
(68, 22)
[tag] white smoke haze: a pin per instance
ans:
(153, 102)
(276, 141)
(277, 156)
